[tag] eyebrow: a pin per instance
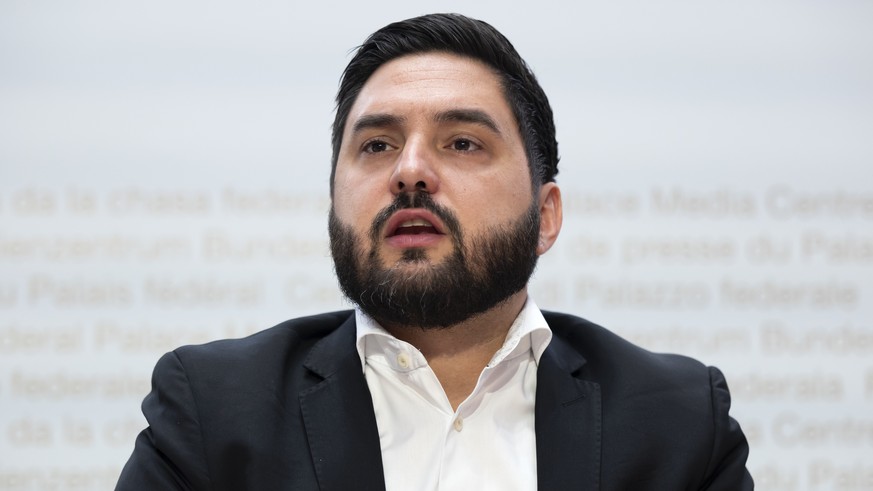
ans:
(474, 116)
(378, 120)
(384, 120)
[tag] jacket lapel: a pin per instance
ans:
(339, 418)
(568, 422)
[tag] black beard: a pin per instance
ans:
(470, 281)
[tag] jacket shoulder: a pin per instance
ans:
(301, 332)
(659, 412)
(264, 357)
(226, 414)
(611, 358)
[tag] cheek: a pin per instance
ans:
(350, 201)
(352, 215)
(493, 200)
(358, 191)
(341, 186)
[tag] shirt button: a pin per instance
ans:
(459, 424)
(403, 360)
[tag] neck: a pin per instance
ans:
(458, 354)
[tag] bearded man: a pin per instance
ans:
(446, 376)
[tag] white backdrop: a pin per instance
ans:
(163, 181)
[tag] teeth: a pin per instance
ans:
(418, 222)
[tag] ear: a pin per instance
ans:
(551, 216)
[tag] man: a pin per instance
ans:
(446, 375)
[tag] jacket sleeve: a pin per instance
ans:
(169, 453)
(726, 470)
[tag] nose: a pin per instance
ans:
(415, 170)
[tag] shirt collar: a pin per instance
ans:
(528, 332)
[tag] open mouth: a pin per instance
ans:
(413, 228)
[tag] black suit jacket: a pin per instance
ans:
(289, 408)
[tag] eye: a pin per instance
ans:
(464, 145)
(376, 146)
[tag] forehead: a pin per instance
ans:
(428, 83)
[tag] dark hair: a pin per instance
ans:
(457, 34)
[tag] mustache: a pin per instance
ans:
(418, 199)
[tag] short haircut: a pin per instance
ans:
(471, 38)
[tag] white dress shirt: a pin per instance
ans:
(488, 443)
